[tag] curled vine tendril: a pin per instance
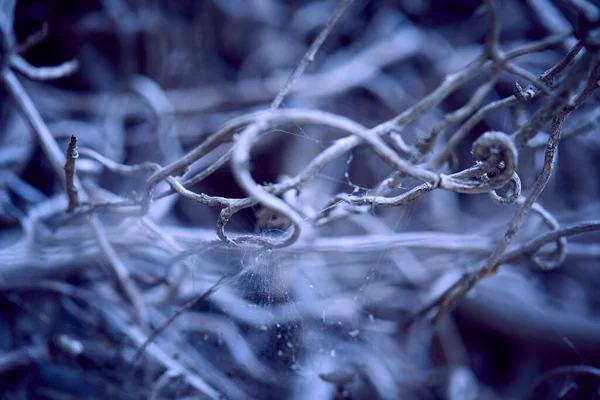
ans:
(497, 160)
(513, 191)
(548, 260)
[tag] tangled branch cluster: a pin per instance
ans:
(56, 235)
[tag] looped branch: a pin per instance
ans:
(496, 157)
(512, 193)
(240, 163)
(499, 154)
(548, 260)
(552, 260)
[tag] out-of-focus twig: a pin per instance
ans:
(57, 160)
(33, 40)
(173, 317)
(310, 54)
(43, 73)
(564, 370)
(136, 335)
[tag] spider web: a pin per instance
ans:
(309, 321)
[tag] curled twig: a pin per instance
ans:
(497, 151)
(533, 246)
(513, 192)
(558, 255)
(240, 165)
(497, 160)
(466, 127)
(451, 296)
(43, 73)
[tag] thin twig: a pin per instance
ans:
(71, 156)
(309, 56)
(537, 46)
(137, 336)
(555, 103)
(173, 317)
(33, 40)
(57, 160)
(428, 144)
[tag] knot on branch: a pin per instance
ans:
(521, 93)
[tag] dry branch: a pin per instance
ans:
(369, 175)
(71, 156)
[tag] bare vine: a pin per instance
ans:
(415, 157)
